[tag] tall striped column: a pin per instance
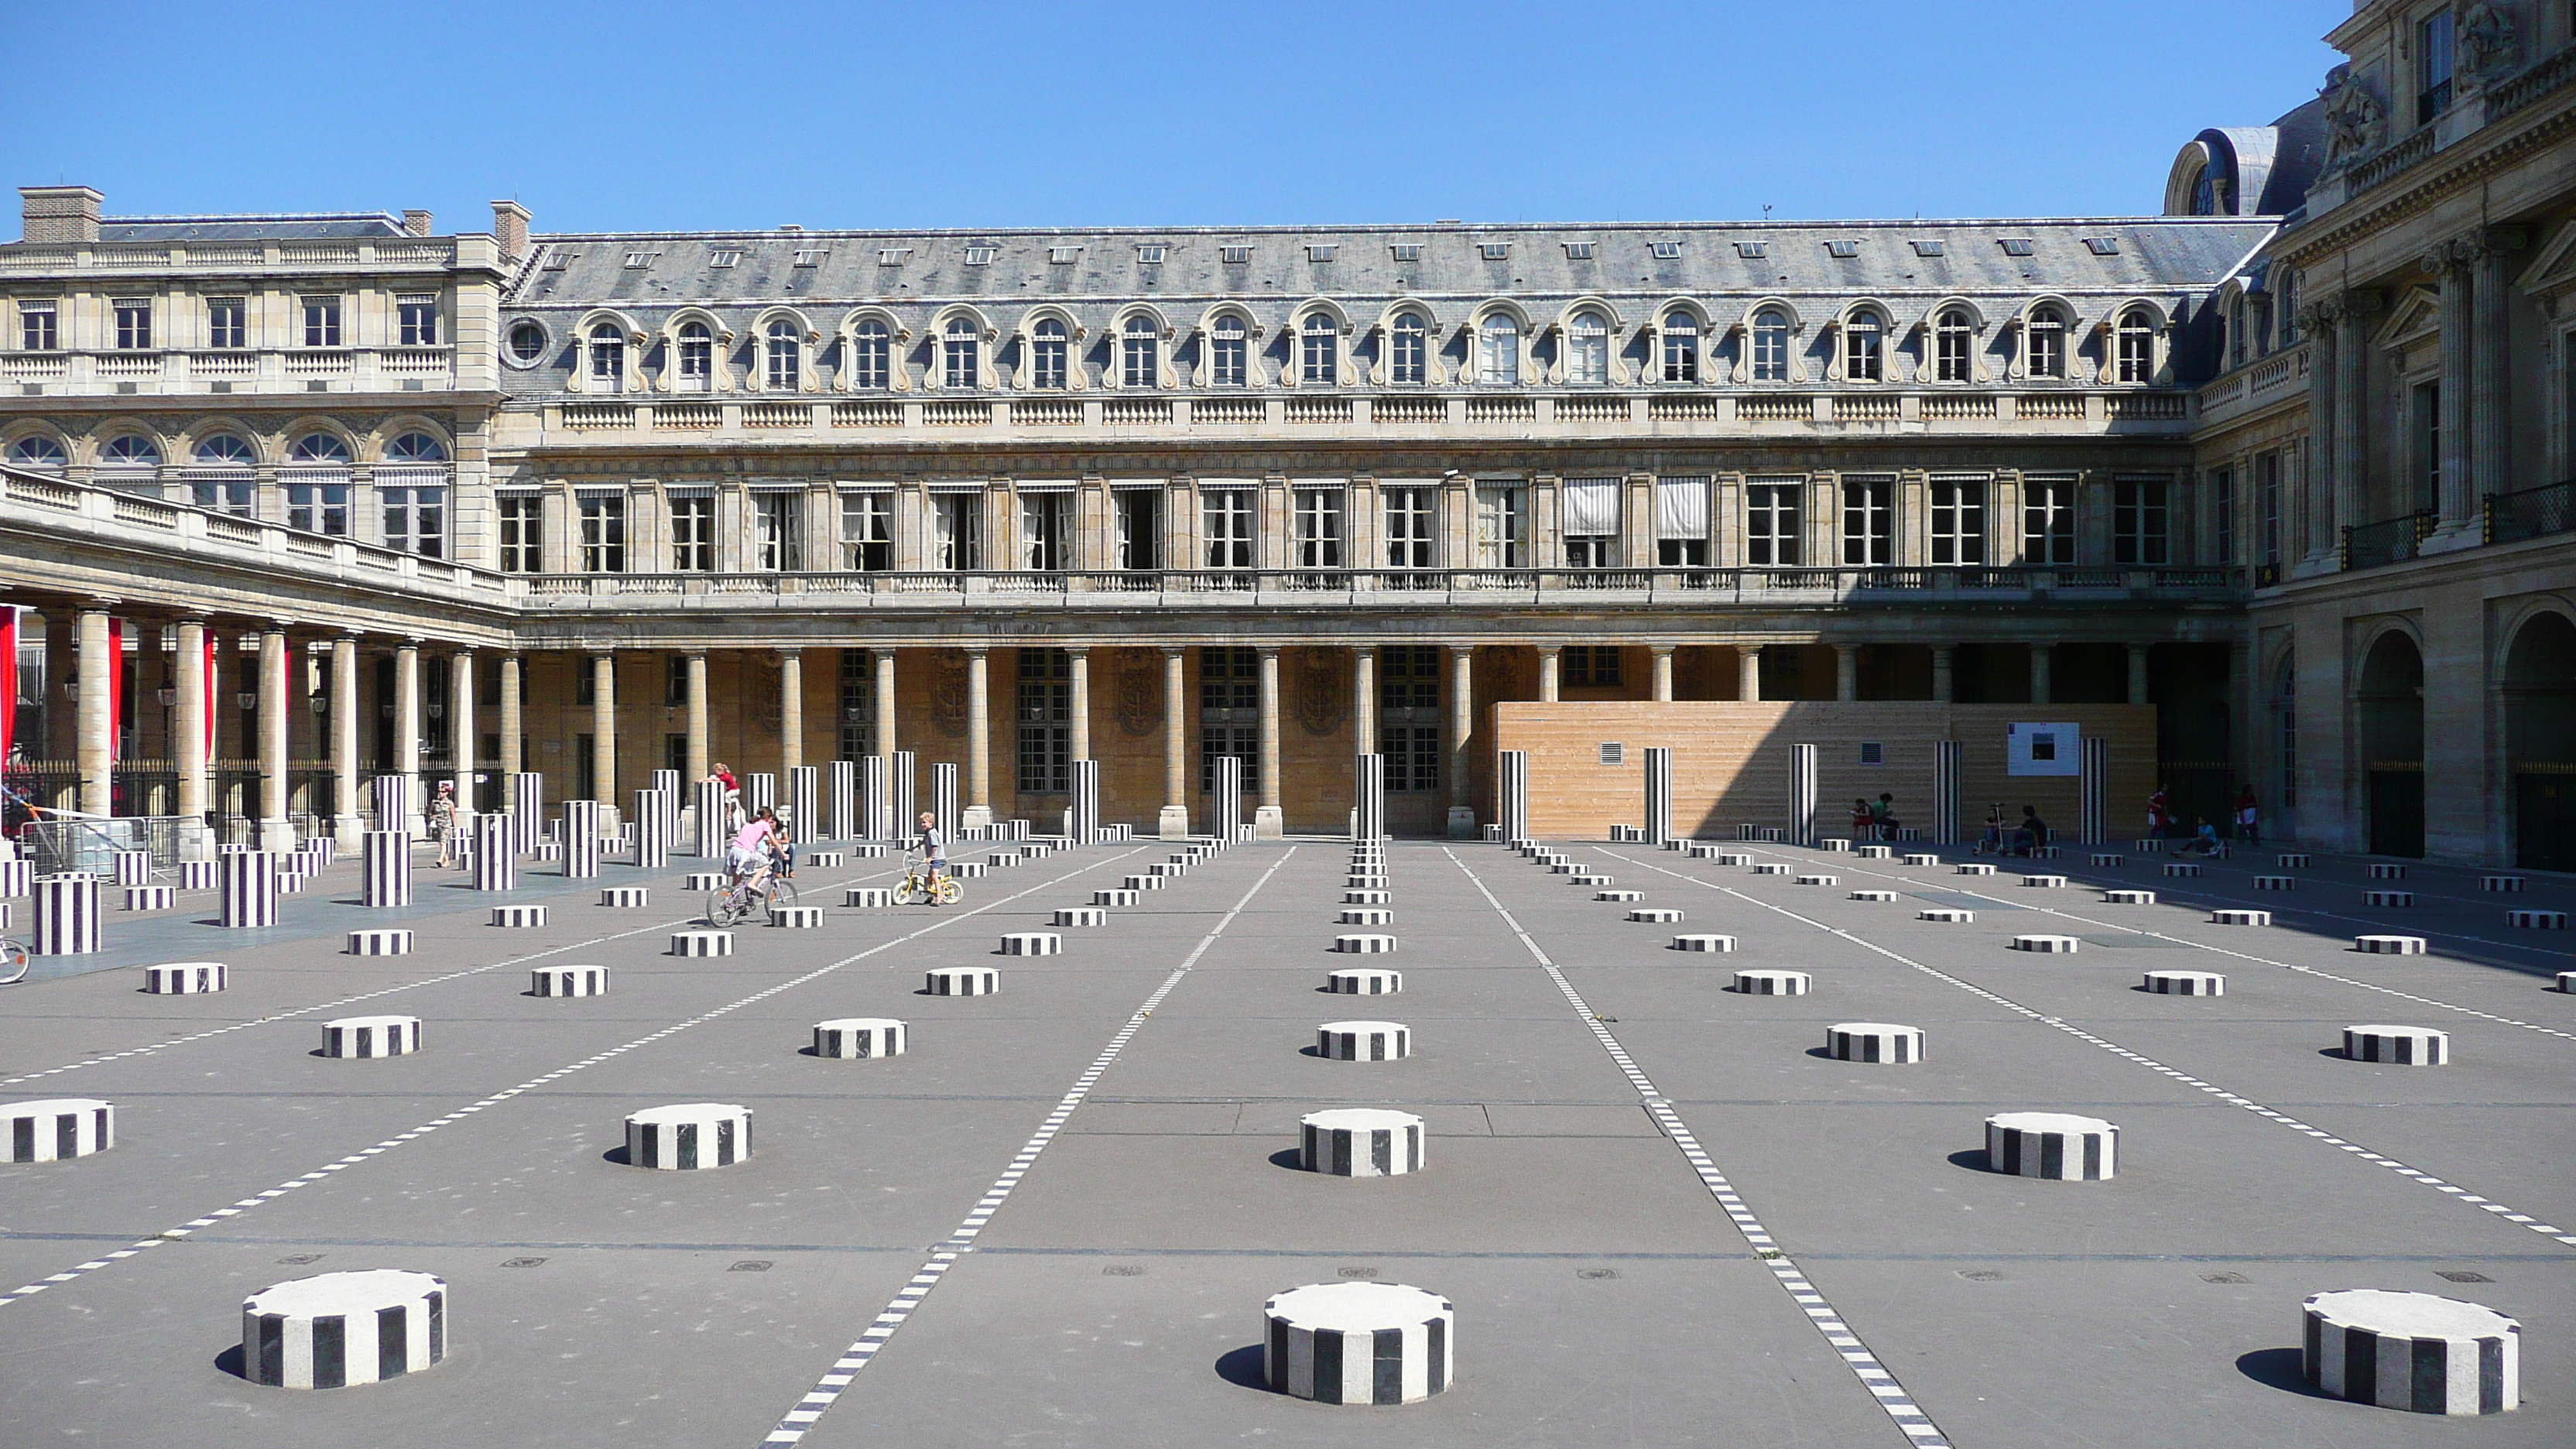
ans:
(802, 787)
(1802, 794)
(668, 782)
(902, 782)
(530, 812)
(1511, 789)
(66, 914)
(1229, 797)
(387, 869)
(876, 805)
(1369, 797)
(2095, 785)
(248, 881)
(1086, 802)
(943, 798)
(709, 795)
(1949, 776)
(581, 839)
(392, 801)
(840, 815)
(1659, 795)
(652, 830)
(759, 792)
(495, 868)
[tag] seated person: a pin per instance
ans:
(2031, 834)
(1883, 816)
(1863, 820)
(2204, 837)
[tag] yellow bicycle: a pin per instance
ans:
(916, 885)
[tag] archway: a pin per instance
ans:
(2540, 741)
(2391, 705)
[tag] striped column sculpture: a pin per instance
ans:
(1368, 797)
(395, 808)
(194, 875)
(568, 981)
(652, 830)
(385, 866)
(709, 798)
(962, 981)
(625, 898)
(336, 1330)
(702, 943)
(1359, 1343)
(2415, 1351)
(1773, 983)
(876, 804)
(186, 978)
(2403, 1046)
(759, 792)
(527, 811)
(371, 1036)
(689, 1136)
(943, 797)
(1364, 1041)
(1802, 795)
(1361, 1142)
(66, 912)
(2093, 782)
(1358, 982)
(1659, 796)
(1228, 805)
(1874, 1041)
(249, 890)
(859, 1038)
(581, 839)
(1083, 823)
(2055, 1145)
(1511, 793)
(133, 867)
(58, 1129)
(495, 868)
(2184, 983)
(380, 943)
(803, 810)
(1949, 772)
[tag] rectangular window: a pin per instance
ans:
(1319, 528)
(693, 532)
(1408, 678)
(134, 324)
(675, 680)
(1591, 666)
(2048, 521)
(957, 543)
(227, 323)
(867, 532)
(1045, 722)
(1681, 522)
(1140, 527)
(1412, 758)
(223, 494)
(321, 321)
(2222, 515)
(603, 533)
(1958, 520)
(1869, 521)
(417, 318)
(1225, 521)
(858, 704)
(1228, 350)
(778, 530)
(1046, 532)
(2425, 403)
(415, 520)
(318, 508)
(1408, 702)
(1412, 521)
(1502, 526)
(1230, 713)
(522, 532)
(2432, 66)
(2267, 501)
(2139, 533)
(1589, 519)
(37, 327)
(1771, 524)
(1681, 348)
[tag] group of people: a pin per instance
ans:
(1873, 820)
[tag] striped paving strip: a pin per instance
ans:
(836, 1380)
(2412, 1174)
(219, 1215)
(1882, 1385)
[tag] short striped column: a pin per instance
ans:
(1361, 1142)
(151, 897)
(1870, 895)
(133, 867)
(1802, 795)
(2386, 870)
(840, 800)
(1359, 1343)
(2536, 920)
(1874, 1041)
(1976, 868)
(581, 839)
(66, 912)
(859, 1037)
(371, 1036)
(1354, 982)
(709, 798)
(1080, 916)
(1819, 880)
(2233, 917)
(1946, 915)
(58, 1129)
(963, 981)
(1116, 896)
(495, 868)
(688, 1136)
(2415, 1351)
(2404, 1046)
(568, 981)
(527, 811)
(1773, 983)
(1919, 857)
(249, 890)
(1703, 941)
(796, 918)
(1363, 944)
(194, 875)
(625, 898)
(341, 1329)
(2056, 1145)
(1656, 915)
(2184, 983)
(1616, 897)
(2044, 882)
(519, 918)
(2104, 857)
(2389, 945)
(2181, 868)
(15, 877)
(2500, 883)
(2276, 882)
(2388, 900)
(702, 943)
(2129, 898)
(867, 898)
(186, 978)
(2046, 945)
(652, 830)
(2151, 845)
(1769, 867)
(380, 943)
(1364, 1041)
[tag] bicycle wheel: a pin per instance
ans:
(951, 891)
(721, 910)
(782, 894)
(909, 893)
(13, 961)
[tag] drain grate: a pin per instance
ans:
(2224, 1278)
(1358, 1272)
(1982, 1275)
(298, 1260)
(2461, 1275)
(1122, 1270)
(1596, 1273)
(750, 1265)
(524, 1263)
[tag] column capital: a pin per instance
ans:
(1268, 651)
(1663, 648)
(795, 653)
(1175, 651)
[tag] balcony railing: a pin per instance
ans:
(2531, 513)
(2390, 540)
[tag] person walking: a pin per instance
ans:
(2248, 827)
(442, 823)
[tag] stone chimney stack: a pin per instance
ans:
(416, 223)
(60, 213)
(510, 227)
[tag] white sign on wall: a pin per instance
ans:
(2042, 749)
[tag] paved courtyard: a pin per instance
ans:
(1663, 1213)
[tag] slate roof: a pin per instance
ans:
(297, 227)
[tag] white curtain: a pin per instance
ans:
(1591, 506)
(1681, 508)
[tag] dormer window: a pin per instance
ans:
(1228, 351)
(980, 256)
(1751, 251)
(811, 256)
(871, 356)
(1770, 345)
(1681, 346)
(1494, 251)
(557, 259)
(725, 257)
(1953, 342)
(1319, 351)
(1063, 256)
(696, 358)
(1927, 249)
(2102, 246)
(1151, 254)
(1405, 251)
(1321, 251)
(1843, 249)
(783, 354)
(1587, 348)
(893, 256)
(2014, 246)
(1408, 349)
(2136, 341)
(637, 261)
(2046, 334)
(960, 355)
(1138, 355)
(1234, 256)
(1048, 350)
(1578, 251)
(1668, 251)
(1864, 347)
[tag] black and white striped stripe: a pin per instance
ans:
(385, 866)
(371, 1036)
(581, 839)
(495, 868)
(66, 911)
(186, 978)
(2415, 1351)
(652, 825)
(1364, 1041)
(58, 1129)
(340, 1329)
(859, 1037)
(1359, 1343)
(1361, 1142)
(2056, 1145)
(689, 1136)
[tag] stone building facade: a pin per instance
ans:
(593, 505)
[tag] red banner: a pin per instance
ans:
(115, 685)
(9, 615)
(207, 701)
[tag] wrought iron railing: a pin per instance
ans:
(2531, 513)
(2390, 540)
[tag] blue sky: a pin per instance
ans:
(649, 115)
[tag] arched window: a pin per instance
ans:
(224, 450)
(1587, 348)
(1229, 352)
(38, 451)
(1953, 341)
(1319, 351)
(415, 448)
(2137, 346)
(2236, 338)
(697, 358)
(1047, 354)
(318, 448)
(1864, 347)
(130, 450)
(1138, 363)
(221, 476)
(1770, 345)
(607, 359)
(960, 355)
(1681, 346)
(871, 356)
(2204, 192)
(2047, 342)
(1498, 351)
(1408, 351)
(782, 353)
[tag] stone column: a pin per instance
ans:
(276, 832)
(2312, 490)
(189, 749)
(700, 748)
(791, 712)
(979, 738)
(2351, 427)
(1944, 678)
(460, 726)
(2245, 713)
(1462, 723)
(406, 760)
(2039, 672)
(512, 726)
(603, 727)
(1269, 821)
(1748, 673)
(885, 725)
(2137, 674)
(1551, 673)
(1175, 821)
(96, 740)
(1846, 672)
(1663, 673)
(1364, 701)
(2490, 399)
(1081, 664)
(348, 827)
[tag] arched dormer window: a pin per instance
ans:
(1229, 352)
(1680, 346)
(696, 358)
(2135, 339)
(130, 450)
(871, 357)
(319, 448)
(1953, 346)
(607, 359)
(1864, 346)
(1770, 345)
(224, 450)
(781, 356)
(960, 355)
(415, 447)
(1050, 347)
(2045, 342)
(1139, 359)
(1408, 349)
(2236, 333)
(1319, 351)
(1498, 350)
(1587, 348)
(39, 452)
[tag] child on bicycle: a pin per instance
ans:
(755, 845)
(934, 852)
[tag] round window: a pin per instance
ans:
(527, 342)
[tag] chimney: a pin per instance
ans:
(510, 227)
(416, 223)
(60, 213)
